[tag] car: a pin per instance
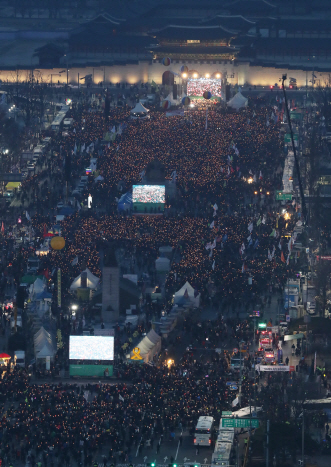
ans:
(60, 205)
(77, 193)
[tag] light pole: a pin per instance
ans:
(67, 68)
(302, 196)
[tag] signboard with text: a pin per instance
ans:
(280, 196)
(239, 423)
(272, 368)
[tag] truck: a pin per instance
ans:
(19, 358)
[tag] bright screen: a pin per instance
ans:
(148, 193)
(91, 348)
(196, 87)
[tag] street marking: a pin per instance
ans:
(178, 447)
(139, 446)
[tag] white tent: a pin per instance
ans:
(38, 286)
(92, 282)
(238, 101)
(149, 346)
(46, 351)
(139, 112)
(41, 338)
(162, 264)
(186, 296)
(42, 331)
(139, 108)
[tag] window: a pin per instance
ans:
(190, 41)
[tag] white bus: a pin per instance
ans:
(204, 431)
(222, 454)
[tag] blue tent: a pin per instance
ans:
(44, 295)
(125, 202)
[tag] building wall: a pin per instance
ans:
(240, 73)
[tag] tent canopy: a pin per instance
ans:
(30, 279)
(187, 295)
(149, 346)
(92, 282)
(139, 109)
(238, 101)
(38, 286)
(44, 295)
(46, 351)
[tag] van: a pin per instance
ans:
(19, 358)
(84, 179)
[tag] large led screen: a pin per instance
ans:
(196, 87)
(91, 348)
(148, 194)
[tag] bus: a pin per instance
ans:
(204, 431)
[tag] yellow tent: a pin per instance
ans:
(12, 185)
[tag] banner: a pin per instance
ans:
(59, 288)
(272, 368)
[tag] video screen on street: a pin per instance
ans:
(148, 194)
(91, 348)
(196, 87)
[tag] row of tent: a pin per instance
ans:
(43, 344)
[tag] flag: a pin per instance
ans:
(27, 216)
(215, 207)
(288, 259)
(256, 244)
(279, 245)
(269, 255)
(75, 261)
(211, 253)
(273, 233)
(282, 257)
(259, 221)
(260, 176)
(213, 265)
(264, 219)
(121, 398)
(250, 227)
(2, 228)
(212, 225)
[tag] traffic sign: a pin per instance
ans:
(280, 196)
(230, 383)
(226, 413)
(287, 138)
(239, 422)
(235, 350)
